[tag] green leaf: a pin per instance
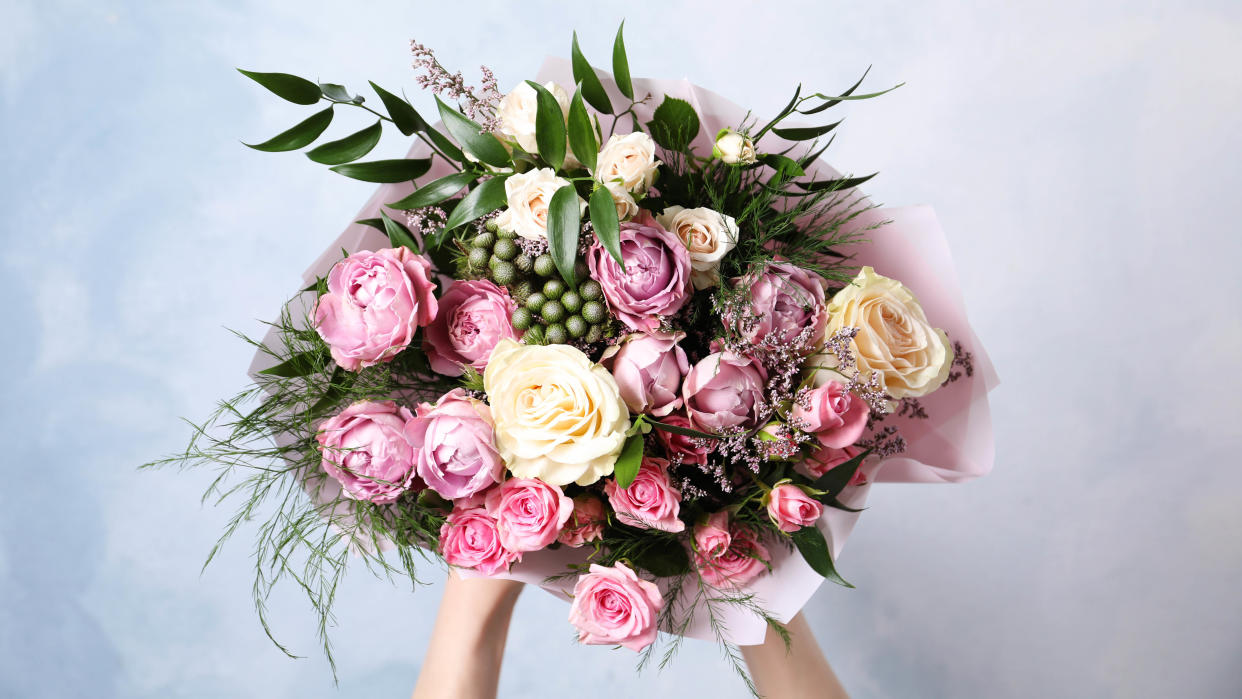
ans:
(470, 136)
(403, 114)
(604, 220)
(301, 135)
(686, 431)
(445, 145)
(805, 133)
(484, 199)
(842, 97)
(833, 103)
(398, 235)
(839, 183)
(581, 133)
(549, 126)
(435, 191)
(564, 225)
(621, 64)
(663, 557)
(338, 93)
(786, 167)
(401, 170)
(814, 548)
(584, 74)
(674, 124)
(289, 87)
(341, 380)
(300, 364)
(628, 462)
(839, 476)
(350, 148)
(793, 101)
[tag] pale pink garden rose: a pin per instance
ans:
(723, 391)
(834, 415)
(375, 302)
(656, 278)
(613, 606)
(792, 509)
(651, 501)
(648, 370)
(529, 513)
(680, 444)
(727, 554)
(785, 301)
(822, 460)
(469, 539)
(473, 316)
(587, 522)
(454, 446)
(365, 450)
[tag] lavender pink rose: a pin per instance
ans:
(727, 554)
(529, 513)
(785, 302)
(648, 370)
(374, 304)
(650, 501)
(724, 390)
(831, 413)
(365, 450)
(613, 606)
(473, 316)
(454, 449)
(656, 278)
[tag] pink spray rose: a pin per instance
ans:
(825, 459)
(473, 316)
(469, 539)
(454, 450)
(785, 300)
(691, 453)
(656, 279)
(375, 302)
(831, 413)
(529, 513)
(648, 370)
(726, 554)
(364, 449)
(723, 390)
(791, 509)
(587, 522)
(615, 606)
(651, 500)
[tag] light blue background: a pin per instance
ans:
(1083, 157)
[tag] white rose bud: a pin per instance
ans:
(517, 113)
(708, 235)
(529, 194)
(627, 208)
(629, 159)
(732, 147)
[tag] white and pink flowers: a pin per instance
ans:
(727, 554)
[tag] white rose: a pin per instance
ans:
(629, 159)
(894, 338)
(517, 113)
(529, 194)
(708, 235)
(559, 417)
(732, 147)
(627, 208)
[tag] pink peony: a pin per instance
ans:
(469, 539)
(454, 451)
(587, 522)
(724, 390)
(473, 317)
(656, 279)
(375, 302)
(651, 500)
(823, 460)
(648, 370)
(615, 606)
(529, 513)
(726, 554)
(784, 301)
(833, 414)
(364, 449)
(792, 509)
(680, 444)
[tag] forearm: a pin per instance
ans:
(802, 671)
(468, 641)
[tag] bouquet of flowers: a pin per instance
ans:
(611, 336)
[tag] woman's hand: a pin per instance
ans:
(802, 672)
(468, 642)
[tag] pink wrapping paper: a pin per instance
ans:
(953, 444)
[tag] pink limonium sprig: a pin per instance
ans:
(480, 106)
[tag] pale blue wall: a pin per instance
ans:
(1083, 157)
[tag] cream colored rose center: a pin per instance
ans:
(555, 407)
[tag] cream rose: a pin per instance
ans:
(529, 194)
(708, 235)
(559, 417)
(627, 208)
(629, 159)
(894, 338)
(517, 109)
(732, 147)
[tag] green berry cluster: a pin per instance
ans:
(549, 310)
